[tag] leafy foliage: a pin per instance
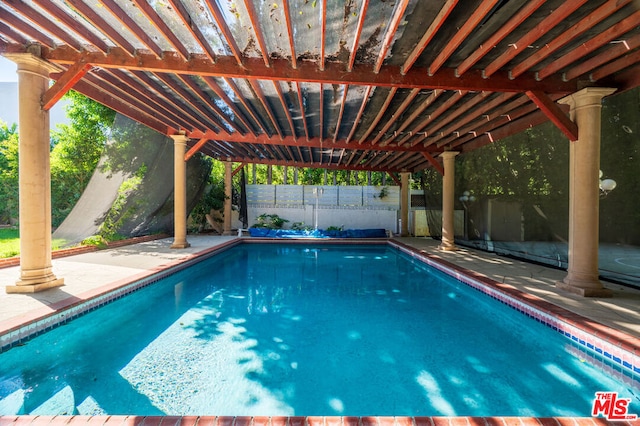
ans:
(8, 172)
(77, 148)
(269, 221)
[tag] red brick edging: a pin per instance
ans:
(300, 421)
(15, 261)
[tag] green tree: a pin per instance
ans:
(8, 172)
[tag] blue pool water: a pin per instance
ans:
(291, 329)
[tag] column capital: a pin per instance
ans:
(180, 138)
(449, 154)
(28, 62)
(587, 96)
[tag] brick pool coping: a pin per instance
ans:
(579, 328)
(301, 421)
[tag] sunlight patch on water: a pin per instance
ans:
(185, 372)
(337, 405)
(561, 375)
(434, 394)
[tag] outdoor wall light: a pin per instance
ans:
(467, 196)
(606, 185)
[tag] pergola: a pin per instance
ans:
(394, 86)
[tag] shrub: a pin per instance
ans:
(269, 221)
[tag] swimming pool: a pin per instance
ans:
(303, 329)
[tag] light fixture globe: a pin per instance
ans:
(607, 185)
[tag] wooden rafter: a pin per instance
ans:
(480, 113)
(437, 23)
(127, 22)
(292, 44)
(255, 86)
(224, 29)
(168, 101)
(493, 125)
(516, 126)
(321, 112)
(614, 51)
(323, 36)
(478, 15)
(356, 38)
(206, 100)
(195, 31)
(519, 46)
(345, 90)
(213, 85)
(255, 23)
(72, 24)
(97, 21)
(17, 24)
(405, 104)
(415, 114)
(526, 11)
(398, 12)
(30, 14)
(615, 66)
(285, 108)
(204, 114)
(432, 116)
(289, 141)
(379, 115)
(98, 95)
(365, 99)
(247, 106)
(594, 43)
(303, 116)
(463, 109)
(110, 85)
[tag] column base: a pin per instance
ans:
(180, 244)
(228, 233)
(26, 287)
(584, 291)
(443, 247)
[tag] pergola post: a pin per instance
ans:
(227, 197)
(404, 204)
(179, 192)
(584, 194)
(34, 177)
(448, 188)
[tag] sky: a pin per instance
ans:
(7, 70)
(9, 104)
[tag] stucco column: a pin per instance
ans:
(34, 177)
(179, 193)
(448, 181)
(228, 188)
(584, 194)
(404, 204)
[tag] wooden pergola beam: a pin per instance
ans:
(64, 84)
(195, 148)
(308, 72)
(435, 163)
(553, 111)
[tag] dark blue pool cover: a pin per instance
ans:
(318, 233)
